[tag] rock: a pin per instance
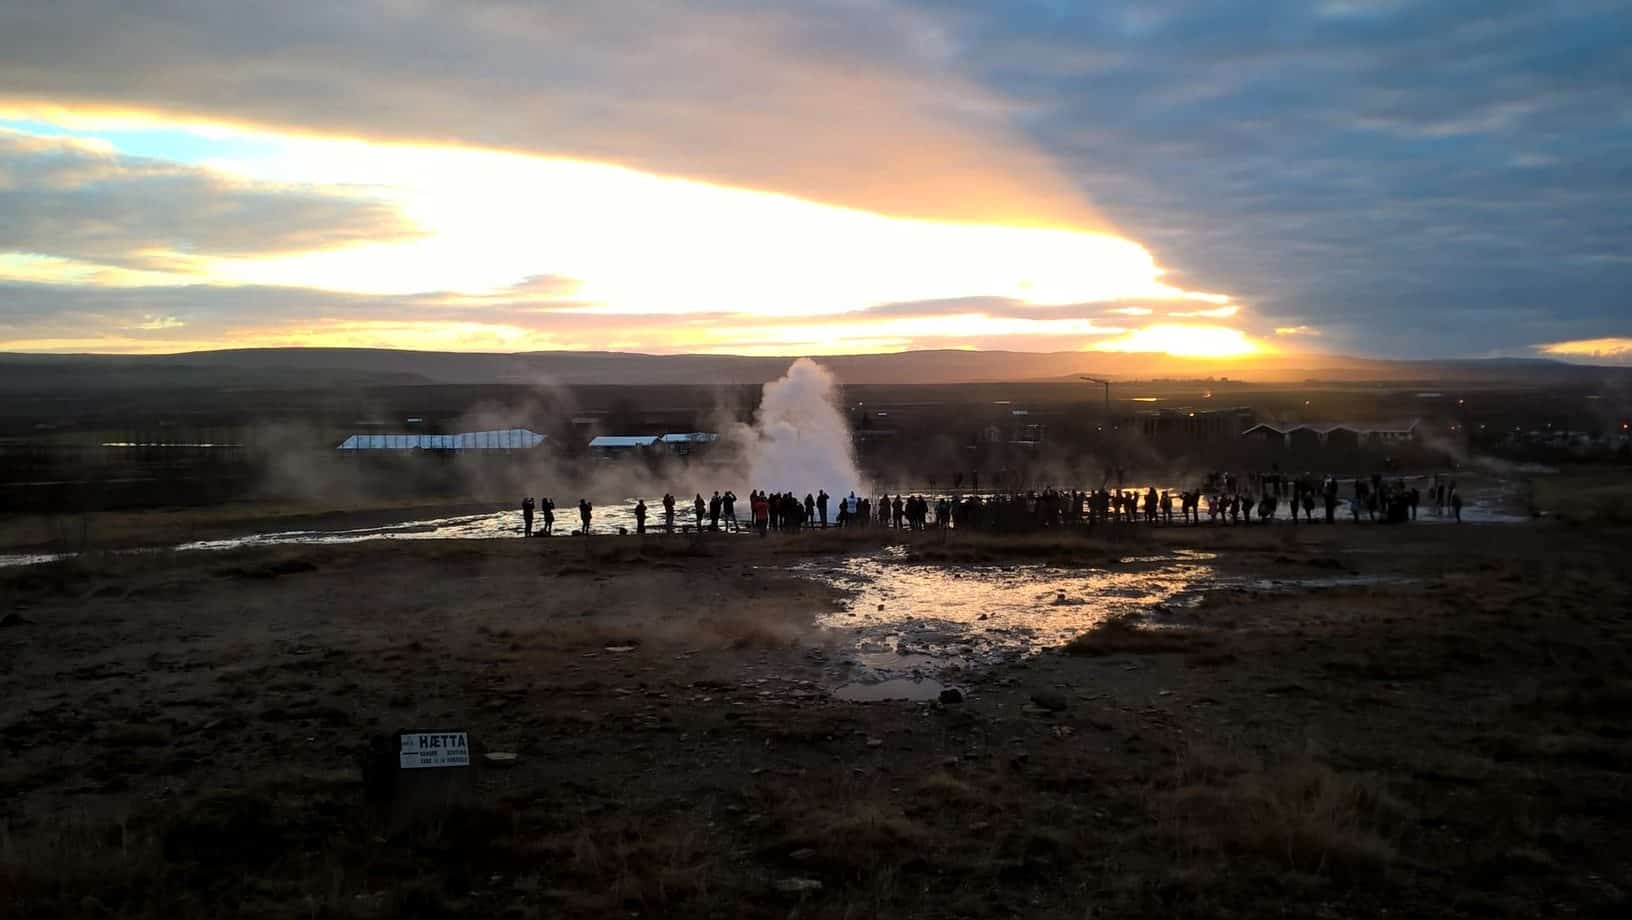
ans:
(797, 885)
(1053, 702)
(802, 854)
(951, 695)
(501, 759)
(15, 619)
(875, 742)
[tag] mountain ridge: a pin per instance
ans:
(392, 367)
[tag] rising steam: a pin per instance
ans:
(800, 441)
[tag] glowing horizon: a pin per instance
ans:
(458, 266)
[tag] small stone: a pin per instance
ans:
(797, 885)
(501, 759)
(1053, 702)
(875, 742)
(951, 695)
(802, 854)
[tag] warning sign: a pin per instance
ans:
(434, 749)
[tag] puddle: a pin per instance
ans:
(914, 628)
(30, 558)
(897, 688)
(1494, 503)
(920, 623)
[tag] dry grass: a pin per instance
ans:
(1293, 815)
(1124, 635)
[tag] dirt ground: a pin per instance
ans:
(184, 736)
(105, 530)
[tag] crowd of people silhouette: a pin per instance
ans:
(1222, 498)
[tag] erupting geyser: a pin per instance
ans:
(800, 441)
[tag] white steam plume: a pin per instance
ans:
(800, 441)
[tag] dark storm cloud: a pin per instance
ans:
(71, 200)
(849, 103)
(1415, 178)
(1419, 178)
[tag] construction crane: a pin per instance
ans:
(1107, 385)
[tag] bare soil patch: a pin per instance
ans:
(185, 733)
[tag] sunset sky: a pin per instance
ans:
(1377, 177)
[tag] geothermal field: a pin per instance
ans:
(205, 702)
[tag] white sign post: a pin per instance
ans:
(434, 749)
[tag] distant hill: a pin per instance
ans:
(327, 367)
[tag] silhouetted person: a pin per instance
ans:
(640, 516)
(1416, 499)
(549, 516)
(729, 502)
(1456, 504)
(668, 512)
(821, 506)
(527, 516)
(702, 511)
(585, 511)
(810, 508)
(767, 511)
(715, 505)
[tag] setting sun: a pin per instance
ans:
(464, 248)
(1186, 341)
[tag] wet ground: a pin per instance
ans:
(1491, 502)
(1355, 721)
(915, 628)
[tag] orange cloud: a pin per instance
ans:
(1224, 312)
(1617, 349)
(1186, 341)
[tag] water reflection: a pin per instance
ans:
(911, 626)
(1486, 503)
(910, 620)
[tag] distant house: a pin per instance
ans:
(689, 442)
(612, 446)
(1335, 433)
(503, 439)
(1192, 424)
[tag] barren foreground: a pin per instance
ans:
(184, 733)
